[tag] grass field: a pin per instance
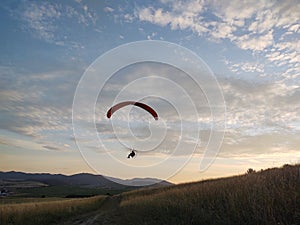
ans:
(47, 211)
(62, 191)
(17, 200)
(267, 197)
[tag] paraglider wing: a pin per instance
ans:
(139, 104)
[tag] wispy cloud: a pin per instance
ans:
(255, 42)
(181, 16)
(42, 19)
(260, 107)
(25, 144)
(269, 28)
(31, 107)
(108, 9)
(245, 67)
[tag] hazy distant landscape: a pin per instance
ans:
(18, 184)
(270, 196)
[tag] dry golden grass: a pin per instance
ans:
(48, 211)
(267, 197)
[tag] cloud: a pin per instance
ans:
(263, 144)
(42, 19)
(84, 14)
(255, 43)
(108, 9)
(256, 16)
(242, 67)
(265, 28)
(262, 117)
(286, 53)
(235, 10)
(260, 107)
(37, 105)
(182, 16)
(51, 148)
(24, 143)
(222, 30)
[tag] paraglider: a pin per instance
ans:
(139, 104)
(120, 105)
(131, 154)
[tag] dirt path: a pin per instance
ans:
(107, 214)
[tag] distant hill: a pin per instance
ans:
(81, 179)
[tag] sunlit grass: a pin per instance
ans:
(48, 211)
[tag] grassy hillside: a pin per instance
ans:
(267, 197)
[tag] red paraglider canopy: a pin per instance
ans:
(139, 104)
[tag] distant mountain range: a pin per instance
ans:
(81, 179)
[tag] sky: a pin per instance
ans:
(49, 48)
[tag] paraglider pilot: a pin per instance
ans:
(131, 154)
